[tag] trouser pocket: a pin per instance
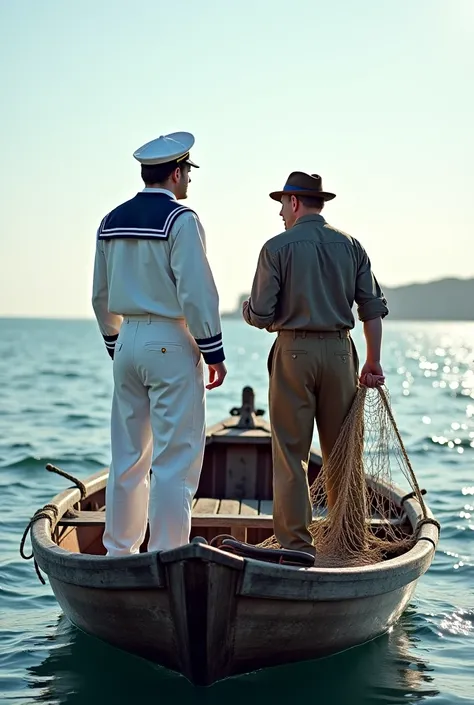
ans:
(271, 355)
(355, 356)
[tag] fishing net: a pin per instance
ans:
(363, 525)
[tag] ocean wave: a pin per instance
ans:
(83, 421)
(60, 373)
(32, 462)
(440, 443)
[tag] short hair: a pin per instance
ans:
(311, 201)
(159, 173)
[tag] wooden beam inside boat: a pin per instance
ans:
(211, 512)
(84, 518)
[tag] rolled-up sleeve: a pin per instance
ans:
(261, 308)
(371, 303)
(196, 290)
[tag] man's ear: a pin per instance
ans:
(294, 203)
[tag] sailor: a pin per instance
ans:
(157, 308)
(306, 282)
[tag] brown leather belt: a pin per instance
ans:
(316, 333)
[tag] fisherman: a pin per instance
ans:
(304, 288)
(157, 308)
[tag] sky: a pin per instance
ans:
(375, 96)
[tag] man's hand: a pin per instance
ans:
(217, 375)
(372, 375)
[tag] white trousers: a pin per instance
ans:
(158, 422)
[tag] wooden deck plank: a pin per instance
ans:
(263, 439)
(83, 518)
(239, 433)
(249, 507)
(232, 520)
(229, 506)
(205, 505)
(266, 507)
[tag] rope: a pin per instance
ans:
(50, 512)
(427, 538)
(71, 478)
(427, 520)
(410, 495)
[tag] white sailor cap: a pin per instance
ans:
(167, 148)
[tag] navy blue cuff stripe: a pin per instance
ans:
(212, 358)
(110, 341)
(207, 341)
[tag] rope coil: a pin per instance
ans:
(428, 520)
(49, 512)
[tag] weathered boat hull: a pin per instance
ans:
(210, 615)
(218, 633)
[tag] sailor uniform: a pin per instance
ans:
(142, 218)
(166, 274)
(157, 308)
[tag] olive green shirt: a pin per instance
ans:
(309, 277)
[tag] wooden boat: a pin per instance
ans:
(209, 614)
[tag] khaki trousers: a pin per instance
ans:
(313, 377)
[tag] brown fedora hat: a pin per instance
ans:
(300, 184)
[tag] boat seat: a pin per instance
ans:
(216, 512)
(224, 514)
(255, 511)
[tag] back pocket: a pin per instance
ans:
(164, 348)
(344, 357)
(294, 353)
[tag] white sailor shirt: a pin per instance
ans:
(151, 259)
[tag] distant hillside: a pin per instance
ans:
(442, 300)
